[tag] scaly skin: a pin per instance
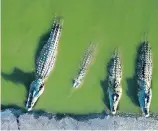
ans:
(114, 81)
(144, 77)
(44, 65)
(86, 61)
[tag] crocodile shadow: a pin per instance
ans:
(42, 42)
(18, 76)
(132, 90)
(104, 85)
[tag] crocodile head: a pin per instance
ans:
(114, 97)
(76, 83)
(36, 89)
(114, 104)
(144, 97)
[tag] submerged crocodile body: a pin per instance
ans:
(44, 64)
(114, 81)
(84, 66)
(144, 77)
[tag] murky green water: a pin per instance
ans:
(109, 23)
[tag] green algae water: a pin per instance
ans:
(109, 23)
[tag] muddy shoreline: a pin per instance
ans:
(17, 119)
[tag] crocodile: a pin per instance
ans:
(144, 77)
(84, 66)
(114, 81)
(44, 64)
